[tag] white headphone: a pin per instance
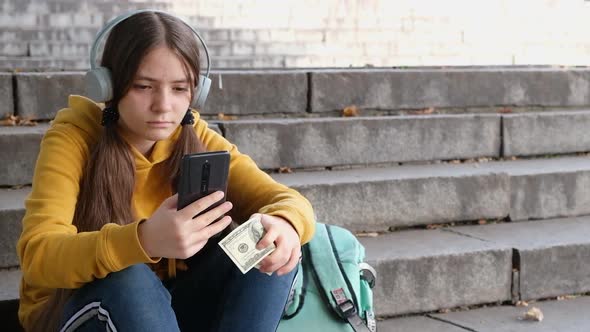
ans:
(99, 83)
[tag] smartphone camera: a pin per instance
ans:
(205, 177)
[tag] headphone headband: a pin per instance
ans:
(125, 16)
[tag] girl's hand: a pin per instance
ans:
(286, 255)
(175, 234)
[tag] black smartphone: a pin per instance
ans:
(202, 174)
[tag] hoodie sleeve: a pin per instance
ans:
(52, 253)
(253, 191)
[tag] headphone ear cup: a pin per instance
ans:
(200, 97)
(99, 84)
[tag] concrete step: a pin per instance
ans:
(20, 151)
(421, 270)
(415, 324)
(401, 196)
(41, 95)
(9, 286)
(12, 211)
(427, 270)
(6, 94)
(256, 92)
(564, 315)
(87, 35)
(9, 283)
(550, 255)
(69, 34)
(261, 54)
(50, 63)
(275, 143)
(278, 143)
(448, 88)
(381, 198)
(19, 63)
(58, 49)
(22, 148)
(68, 13)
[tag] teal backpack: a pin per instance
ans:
(333, 289)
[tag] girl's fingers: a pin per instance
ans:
(209, 217)
(293, 260)
(200, 205)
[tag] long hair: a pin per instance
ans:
(107, 184)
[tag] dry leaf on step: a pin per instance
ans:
(285, 170)
(425, 111)
(10, 120)
(224, 117)
(522, 304)
(26, 122)
(505, 110)
(351, 111)
(534, 314)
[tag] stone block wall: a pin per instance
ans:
(56, 34)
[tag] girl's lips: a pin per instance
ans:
(159, 124)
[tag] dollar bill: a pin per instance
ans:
(240, 245)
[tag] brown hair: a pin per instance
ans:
(108, 181)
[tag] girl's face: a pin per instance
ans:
(159, 96)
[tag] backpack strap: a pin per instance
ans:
(331, 279)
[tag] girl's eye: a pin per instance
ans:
(141, 86)
(180, 88)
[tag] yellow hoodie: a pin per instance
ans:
(54, 255)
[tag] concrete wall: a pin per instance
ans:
(317, 33)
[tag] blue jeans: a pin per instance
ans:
(213, 295)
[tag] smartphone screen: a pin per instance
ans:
(202, 174)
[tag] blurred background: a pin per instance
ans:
(57, 34)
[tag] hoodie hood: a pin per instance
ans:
(85, 114)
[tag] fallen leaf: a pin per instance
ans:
(444, 311)
(285, 170)
(433, 226)
(456, 161)
(351, 110)
(428, 110)
(224, 117)
(10, 120)
(534, 314)
(505, 110)
(482, 221)
(26, 122)
(522, 304)
(13, 120)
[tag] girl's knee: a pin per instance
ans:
(134, 274)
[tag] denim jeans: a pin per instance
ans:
(213, 295)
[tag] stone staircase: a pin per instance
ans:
(468, 186)
(58, 34)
